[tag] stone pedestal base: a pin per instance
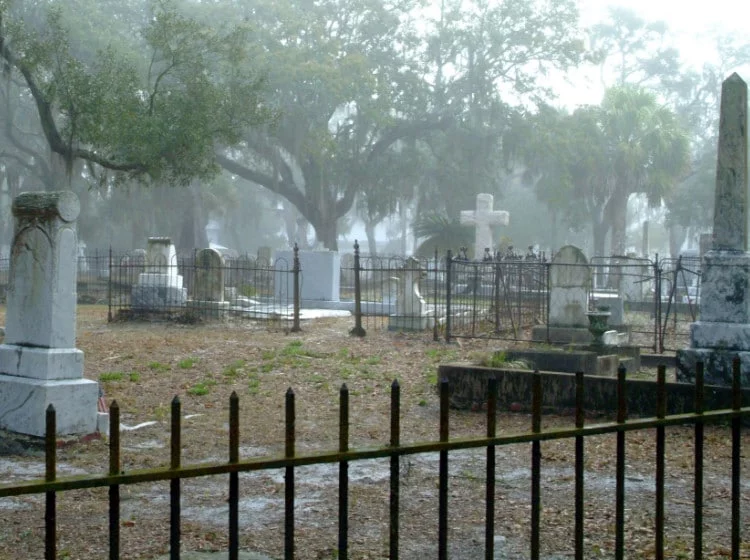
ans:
(208, 309)
(160, 280)
(157, 298)
(724, 336)
(410, 323)
(725, 287)
(717, 365)
(576, 335)
(24, 402)
(41, 363)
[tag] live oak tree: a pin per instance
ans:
(149, 106)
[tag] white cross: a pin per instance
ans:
(483, 218)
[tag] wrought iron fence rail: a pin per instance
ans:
(138, 476)
(394, 450)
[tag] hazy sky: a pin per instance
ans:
(690, 22)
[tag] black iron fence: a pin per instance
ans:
(655, 299)
(582, 543)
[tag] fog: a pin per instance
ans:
(323, 123)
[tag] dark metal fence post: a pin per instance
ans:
(343, 543)
(435, 302)
(736, 456)
(114, 490)
(50, 504)
(289, 451)
(295, 272)
(395, 482)
(496, 290)
(547, 269)
(448, 290)
(357, 330)
(174, 484)
(657, 303)
(109, 288)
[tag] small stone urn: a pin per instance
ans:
(598, 324)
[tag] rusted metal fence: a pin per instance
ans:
(453, 297)
(115, 478)
(250, 288)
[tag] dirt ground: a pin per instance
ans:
(144, 365)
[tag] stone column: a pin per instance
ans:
(730, 202)
(723, 331)
(39, 364)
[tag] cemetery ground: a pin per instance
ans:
(144, 365)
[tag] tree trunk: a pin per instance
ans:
(193, 232)
(600, 229)
(677, 235)
(327, 234)
(619, 217)
(370, 232)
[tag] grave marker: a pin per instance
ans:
(483, 218)
(39, 363)
(723, 330)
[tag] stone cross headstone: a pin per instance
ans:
(483, 218)
(39, 363)
(723, 330)
(570, 282)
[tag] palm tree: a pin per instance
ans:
(441, 233)
(588, 163)
(647, 152)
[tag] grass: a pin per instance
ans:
(199, 389)
(234, 369)
(111, 376)
(158, 366)
(253, 384)
(187, 363)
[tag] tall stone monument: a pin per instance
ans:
(483, 218)
(39, 363)
(723, 331)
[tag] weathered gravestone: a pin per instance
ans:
(723, 330)
(570, 283)
(208, 284)
(132, 265)
(160, 287)
(483, 218)
(39, 363)
(411, 309)
(320, 276)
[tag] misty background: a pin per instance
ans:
(261, 123)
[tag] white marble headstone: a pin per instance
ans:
(570, 282)
(39, 364)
